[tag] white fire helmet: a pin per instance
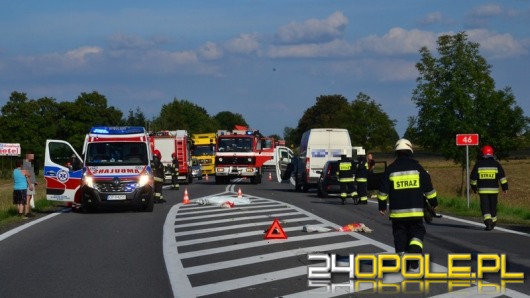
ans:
(404, 144)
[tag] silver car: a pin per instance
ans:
(196, 169)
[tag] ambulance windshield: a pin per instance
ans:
(117, 153)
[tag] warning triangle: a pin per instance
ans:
(275, 231)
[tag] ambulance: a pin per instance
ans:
(113, 170)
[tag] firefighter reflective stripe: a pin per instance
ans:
(416, 241)
(494, 218)
(361, 179)
(405, 179)
(349, 179)
(487, 173)
(344, 166)
(401, 213)
(158, 179)
(382, 196)
(487, 216)
(488, 190)
(432, 194)
(503, 180)
(364, 198)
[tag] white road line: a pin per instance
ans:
(240, 212)
(234, 284)
(29, 224)
(255, 224)
(210, 251)
(231, 236)
(482, 225)
(270, 257)
(202, 209)
(234, 219)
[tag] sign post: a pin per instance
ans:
(467, 140)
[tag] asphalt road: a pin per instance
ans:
(205, 250)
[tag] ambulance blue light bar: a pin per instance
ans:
(249, 132)
(117, 130)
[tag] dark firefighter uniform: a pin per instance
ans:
(174, 171)
(158, 176)
(404, 186)
(361, 178)
(484, 179)
(346, 178)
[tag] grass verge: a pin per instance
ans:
(506, 214)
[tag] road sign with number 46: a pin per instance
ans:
(470, 139)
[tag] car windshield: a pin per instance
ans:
(235, 145)
(203, 150)
(116, 153)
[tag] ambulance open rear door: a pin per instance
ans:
(63, 172)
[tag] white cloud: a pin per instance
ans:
(82, 53)
(210, 51)
(497, 45)
(398, 41)
(245, 43)
(313, 30)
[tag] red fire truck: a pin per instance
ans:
(169, 142)
(239, 154)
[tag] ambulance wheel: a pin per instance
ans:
(87, 208)
(150, 205)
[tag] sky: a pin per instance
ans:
(267, 60)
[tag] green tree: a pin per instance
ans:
(366, 122)
(88, 110)
(370, 126)
(16, 121)
(183, 114)
(136, 118)
(456, 94)
(329, 111)
(227, 120)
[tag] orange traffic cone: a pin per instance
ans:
(239, 194)
(186, 199)
(270, 176)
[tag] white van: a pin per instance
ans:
(317, 146)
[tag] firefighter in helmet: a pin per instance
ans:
(404, 187)
(174, 171)
(361, 178)
(158, 173)
(484, 179)
(345, 174)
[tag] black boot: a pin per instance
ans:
(489, 225)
